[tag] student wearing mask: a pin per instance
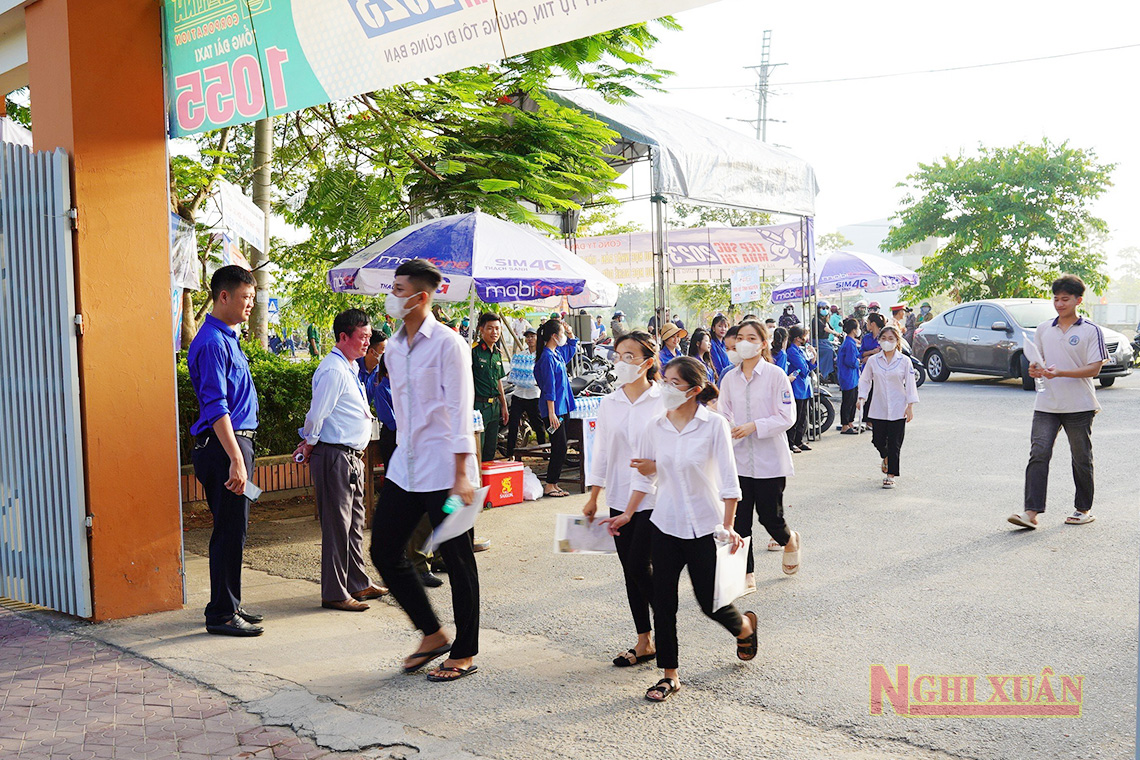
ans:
(556, 347)
(848, 372)
(622, 419)
(686, 460)
(730, 346)
(896, 392)
(524, 399)
(670, 343)
(800, 367)
(700, 348)
(717, 348)
(756, 399)
(430, 369)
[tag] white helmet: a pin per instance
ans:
(860, 303)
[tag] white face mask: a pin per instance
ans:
(747, 349)
(562, 339)
(627, 373)
(888, 345)
(734, 357)
(673, 397)
(398, 307)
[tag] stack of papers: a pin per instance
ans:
(575, 534)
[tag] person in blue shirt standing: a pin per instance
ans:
(671, 343)
(799, 372)
(779, 344)
(868, 347)
(718, 350)
(374, 376)
(556, 346)
(847, 369)
(223, 443)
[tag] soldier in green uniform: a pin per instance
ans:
(487, 367)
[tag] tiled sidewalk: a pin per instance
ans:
(64, 696)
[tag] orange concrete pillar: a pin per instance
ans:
(95, 69)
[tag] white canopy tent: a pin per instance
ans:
(699, 160)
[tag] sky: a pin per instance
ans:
(864, 137)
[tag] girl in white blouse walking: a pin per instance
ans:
(892, 404)
(622, 418)
(686, 458)
(756, 398)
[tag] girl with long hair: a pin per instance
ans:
(686, 459)
(891, 407)
(700, 348)
(556, 346)
(622, 419)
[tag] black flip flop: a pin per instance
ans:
(463, 673)
(428, 657)
(557, 494)
(622, 660)
(746, 648)
(666, 687)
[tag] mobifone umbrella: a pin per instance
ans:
(505, 262)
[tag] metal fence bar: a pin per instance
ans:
(43, 539)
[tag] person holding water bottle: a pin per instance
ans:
(685, 459)
(434, 394)
(1067, 353)
(556, 347)
(890, 375)
(622, 419)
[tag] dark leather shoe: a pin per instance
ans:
(348, 605)
(249, 617)
(235, 627)
(372, 592)
(431, 581)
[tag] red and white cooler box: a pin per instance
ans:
(504, 480)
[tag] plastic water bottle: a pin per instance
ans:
(721, 535)
(1039, 383)
(453, 504)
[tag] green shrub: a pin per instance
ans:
(284, 390)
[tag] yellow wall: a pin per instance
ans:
(96, 90)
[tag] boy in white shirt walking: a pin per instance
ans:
(1073, 350)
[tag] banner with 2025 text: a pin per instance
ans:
(235, 61)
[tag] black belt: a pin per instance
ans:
(358, 453)
(488, 402)
(203, 438)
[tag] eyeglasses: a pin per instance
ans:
(630, 358)
(679, 385)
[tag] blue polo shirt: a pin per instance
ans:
(219, 372)
(553, 382)
(666, 356)
(720, 356)
(798, 361)
(379, 393)
(869, 343)
(780, 359)
(848, 364)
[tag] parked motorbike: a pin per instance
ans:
(821, 410)
(919, 369)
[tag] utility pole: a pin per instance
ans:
(763, 70)
(262, 185)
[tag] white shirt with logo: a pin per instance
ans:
(764, 398)
(1076, 348)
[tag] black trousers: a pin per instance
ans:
(387, 446)
(231, 520)
(887, 436)
(634, 546)
(867, 405)
(765, 498)
(519, 407)
(398, 512)
(797, 431)
(847, 406)
(670, 556)
(558, 443)
(1078, 429)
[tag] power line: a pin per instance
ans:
(921, 71)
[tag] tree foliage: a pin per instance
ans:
(1012, 220)
(832, 242)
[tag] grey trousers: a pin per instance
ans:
(338, 480)
(1078, 428)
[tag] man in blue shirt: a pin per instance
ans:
(223, 443)
(847, 370)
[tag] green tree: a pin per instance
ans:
(1012, 220)
(832, 242)
(691, 216)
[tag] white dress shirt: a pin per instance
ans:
(339, 412)
(621, 425)
(765, 398)
(433, 397)
(894, 386)
(696, 471)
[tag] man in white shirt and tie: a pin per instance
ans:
(433, 397)
(336, 433)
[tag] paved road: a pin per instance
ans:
(928, 575)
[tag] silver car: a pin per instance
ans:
(986, 338)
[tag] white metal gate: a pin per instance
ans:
(43, 534)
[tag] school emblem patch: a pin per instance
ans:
(1074, 340)
(787, 397)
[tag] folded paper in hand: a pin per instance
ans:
(1032, 354)
(730, 571)
(576, 534)
(457, 523)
